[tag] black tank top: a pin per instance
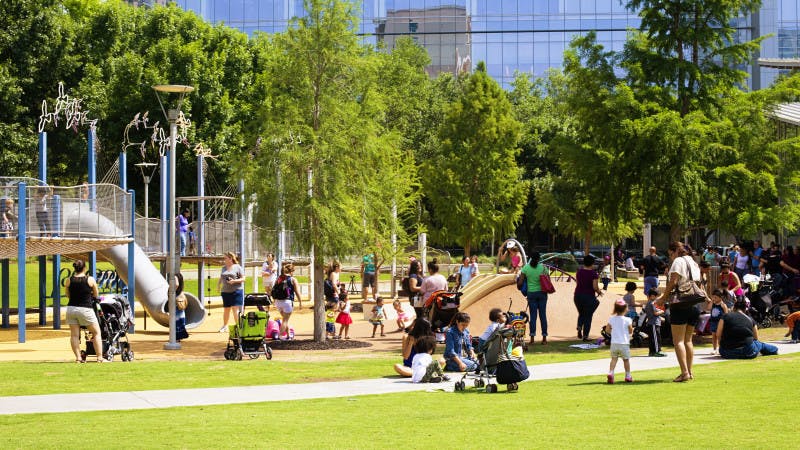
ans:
(80, 293)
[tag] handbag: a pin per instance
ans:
(511, 370)
(691, 297)
(547, 285)
(522, 284)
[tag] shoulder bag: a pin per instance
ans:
(694, 295)
(545, 283)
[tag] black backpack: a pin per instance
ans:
(282, 288)
(329, 291)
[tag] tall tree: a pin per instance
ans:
(322, 115)
(473, 182)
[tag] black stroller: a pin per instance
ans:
(496, 361)
(441, 307)
(114, 317)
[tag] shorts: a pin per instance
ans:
(230, 299)
(621, 351)
(284, 306)
(684, 316)
(368, 280)
(713, 325)
(80, 315)
(330, 327)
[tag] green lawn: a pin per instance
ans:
(737, 404)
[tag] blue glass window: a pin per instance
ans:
(221, 11)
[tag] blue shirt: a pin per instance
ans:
(183, 224)
(757, 257)
(457, 343)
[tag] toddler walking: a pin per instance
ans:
(621, 329)
(378, 316)
(330, 319)
(344, 318)
(718, 309)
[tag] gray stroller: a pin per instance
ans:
(495, 361)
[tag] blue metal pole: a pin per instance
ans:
(56, 265)
(92, 196)
(4, 280)
(22, 218)
(123, 171)
(132, 260)
(164, 203)
(42, 258)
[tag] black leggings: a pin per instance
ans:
(586, 304)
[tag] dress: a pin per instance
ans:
(377, 316)
(344, 315)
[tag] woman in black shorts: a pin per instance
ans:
(82, 290)
(682, 318)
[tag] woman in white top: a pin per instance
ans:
(433, 282)
(269, 273)
(683, 318)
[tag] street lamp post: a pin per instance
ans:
(172, 117)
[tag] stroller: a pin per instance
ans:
(441, 306)
(496, 361)
(248, 336)
(114, 318)
(518, 321)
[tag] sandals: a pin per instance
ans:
(682, 378)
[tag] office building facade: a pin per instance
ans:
(508, 35)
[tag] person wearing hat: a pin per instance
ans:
(511, 251)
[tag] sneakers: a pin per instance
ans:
(793, 341)
(435, 380)
(445, 378)
(657, 354)
(610, 378)
(224, 329)
(629, 379)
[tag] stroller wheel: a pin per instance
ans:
(127, 355)
(237, 356)
(479, 383)
(267, 352)
(229, 354)
(460, 386)
(512, 387)
(83, 355)
(765, 323)
(491, 388)
(253, 355)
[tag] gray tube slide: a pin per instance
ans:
(151, 288)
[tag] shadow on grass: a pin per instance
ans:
(603, 381)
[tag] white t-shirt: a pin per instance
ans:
(419, 366)
(683, 266)
(269, 272)
(619, 329)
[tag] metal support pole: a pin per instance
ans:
(394, 250)
(163, 199)
(56, 294)
(173, 344)
(92, 197)
(6, 285)
(22, 220)
(43, 259)
(132, 262)
(242, 210)
(201, 229)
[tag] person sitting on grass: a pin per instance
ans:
(423, 368)
(738, 335)
(458, 346)
(497, 318)
(420, 328)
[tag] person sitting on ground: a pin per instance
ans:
(458, 352)
(738, 335)
(423, 368)
(419, 328)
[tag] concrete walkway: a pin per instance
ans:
(104, 401)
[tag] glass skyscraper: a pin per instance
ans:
(509, 35)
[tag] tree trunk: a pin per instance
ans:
(317, 298)
(675, 230)
(587, 239)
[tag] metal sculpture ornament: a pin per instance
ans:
(157, 136)
(68, 109)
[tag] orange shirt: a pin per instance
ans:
(792, 318)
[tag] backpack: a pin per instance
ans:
(282, 288)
